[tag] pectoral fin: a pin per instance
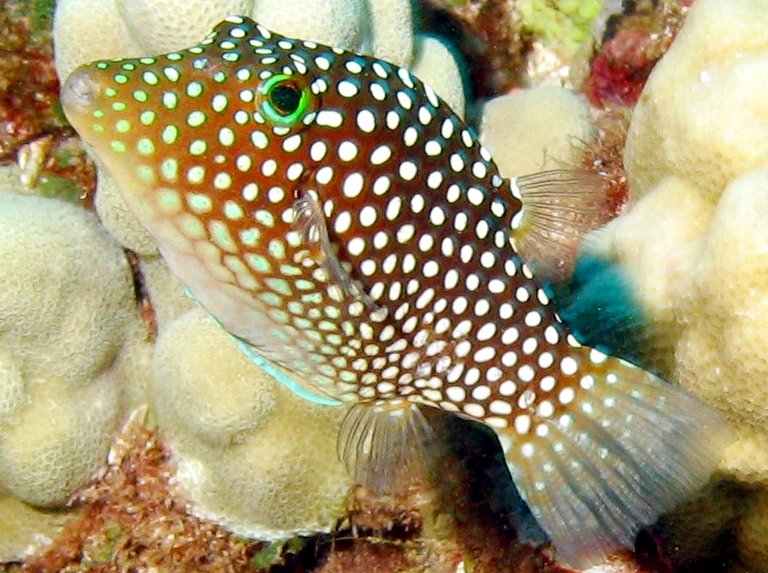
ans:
(311, 223)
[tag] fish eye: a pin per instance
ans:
(284, 99)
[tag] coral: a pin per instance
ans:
(24, 529)
(160, 27)
(380, 27)
(488, 35)
(701, 117)
(696, 261)
(720, 354)
(251, 454)
(133, 519)
(436, 66)
(692, 244)
(64, 314)
(388, 20)
(679, 218)
(99, 21)
(539, 128)
(117, 218)
(126, 29)
(336, 23)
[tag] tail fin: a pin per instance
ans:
(620, 448)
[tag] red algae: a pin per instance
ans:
(133, 520)
(605, 155)
(638, 39)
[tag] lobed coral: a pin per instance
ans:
(692, 246)
(699, 118)
(65, 311)
(252, 455)
(536, 129)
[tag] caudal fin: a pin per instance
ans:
(609, 455)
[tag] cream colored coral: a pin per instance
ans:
(339, 23)
(701, 121)
(66, 305)
(118, 219)
(535, 129)
(24, 529)
(53, 445)
(703, 115)
(98, 21)
(160, 27)
(252, 455)
(64, 311)
(701, 274)
(727, 309)
(388, 21)
(678, 218)
(437, 67)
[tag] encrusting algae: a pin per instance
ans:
(339, 220)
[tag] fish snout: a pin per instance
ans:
(79, 91)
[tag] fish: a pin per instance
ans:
(347, 228)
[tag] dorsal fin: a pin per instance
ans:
(559, 208)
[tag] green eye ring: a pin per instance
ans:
(285, 99)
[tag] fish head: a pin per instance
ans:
(245, 114)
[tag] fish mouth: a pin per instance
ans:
(79, 92)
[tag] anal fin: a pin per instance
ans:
(380, 443)
(627, 448)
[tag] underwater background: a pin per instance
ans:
(137, 436)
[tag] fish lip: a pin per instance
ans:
(79, 91)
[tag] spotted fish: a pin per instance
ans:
(338, 219)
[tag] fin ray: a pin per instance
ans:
(378, 441)
(559, 207)
(627, 449)
(310, 219)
